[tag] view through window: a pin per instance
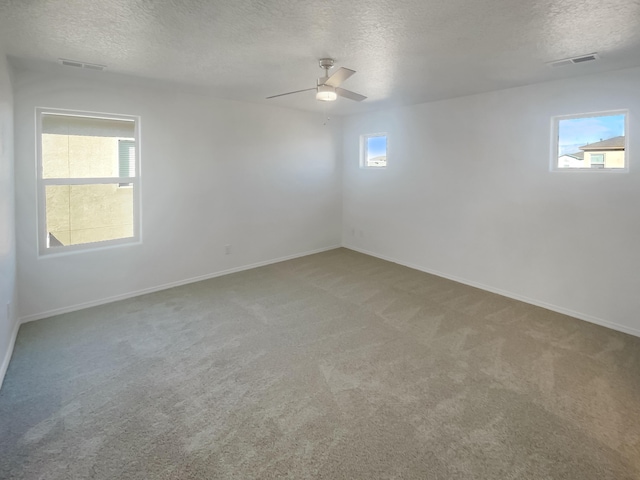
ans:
(593, 141)
(374, 150)
(84, 161)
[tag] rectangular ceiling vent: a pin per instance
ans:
(570, 61)
(77, 64)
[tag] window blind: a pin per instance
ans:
(87, 126)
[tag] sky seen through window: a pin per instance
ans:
(377, 146)
(574, 133)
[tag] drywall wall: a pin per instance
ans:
(468, 194)
(265, 180)
(8, 322)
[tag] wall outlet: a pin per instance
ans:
(9, 310)
(227, 249)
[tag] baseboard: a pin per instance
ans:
(157, 288)
(505, 293)
(9, 353)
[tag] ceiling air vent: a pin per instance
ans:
(77, 64)
(569, 61)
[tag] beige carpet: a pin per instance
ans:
(332, 366)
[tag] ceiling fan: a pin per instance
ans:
(328, 87)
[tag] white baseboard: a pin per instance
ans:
(157, 288)
(9, 352)
(504, 293)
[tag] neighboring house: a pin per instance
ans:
(379, 161)
(607, 153)
(572, 160)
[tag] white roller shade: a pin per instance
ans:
(87, 126)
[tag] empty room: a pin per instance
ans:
(382, 239)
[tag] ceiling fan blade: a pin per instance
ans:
(350, 95)
(290, 93)
(339, 76)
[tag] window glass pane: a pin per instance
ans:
(74, 156)
(376, 151)
(587, 141)
(84, 147)
(88, 213)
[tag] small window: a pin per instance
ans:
(83, 161)
(126, 160)
(373, 150)
(597, 160)
(590, 141)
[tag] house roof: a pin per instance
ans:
(577, 155)
(615, 143)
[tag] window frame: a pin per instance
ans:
(42, 183)
(555, 141)
(364, 150)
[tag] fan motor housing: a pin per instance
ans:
(326, 63)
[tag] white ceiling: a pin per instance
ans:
(405, 51)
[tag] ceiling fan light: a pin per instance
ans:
(326, 93)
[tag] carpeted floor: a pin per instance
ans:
(333, 366)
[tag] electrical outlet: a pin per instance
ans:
(9, 310)
(227, 249)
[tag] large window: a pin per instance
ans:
(84, 161)
(594, 141)
(373, 150)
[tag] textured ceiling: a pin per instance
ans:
(405, 51)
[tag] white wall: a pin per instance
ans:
(468, 194)
(8, 322)
(263, 179)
